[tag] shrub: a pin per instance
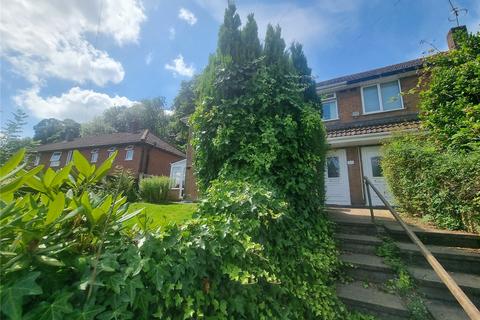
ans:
(124, 180)
(154, 189)
(441, 184)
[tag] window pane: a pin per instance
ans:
(333, 167)
(376, 166)
(391, 96)
(370, 99)
(94, 157)
(329, 110)
(129, 155)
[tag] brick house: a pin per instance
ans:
(140, 152)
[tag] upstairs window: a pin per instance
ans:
(382, 97)
(94, 157)
(111, 151)
(129, 153)
(329, 107)
(55, 159)
(37, 160)
(69, 156)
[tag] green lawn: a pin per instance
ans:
(163, 214)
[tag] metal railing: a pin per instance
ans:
(467, 305)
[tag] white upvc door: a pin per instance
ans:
(337, 189)
(372, 169)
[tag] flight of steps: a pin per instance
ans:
(358, 238)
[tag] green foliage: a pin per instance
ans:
(161, 215)
(11, 136)
(50, 225)
(154, 189)
(428, 181)
(183, 107)
(299, 62)
(122, 179)
(403, 283)
(54, 130)
(450, 103)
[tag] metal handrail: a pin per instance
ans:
(467, 305)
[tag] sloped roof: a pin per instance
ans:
(402, 67)
(379, 128)
(119, 138)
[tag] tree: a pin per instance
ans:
(96, 126)
(11, 136)
(54, 130)
(274, 47)
(183, 106)
(229, 36)
(299, 61)
(450, 103)
(250, 42)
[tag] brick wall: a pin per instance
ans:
(158, 161)
(350, 101)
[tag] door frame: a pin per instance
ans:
(342, 154)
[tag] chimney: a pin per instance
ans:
(452, 34)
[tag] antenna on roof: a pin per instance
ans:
(456, 11)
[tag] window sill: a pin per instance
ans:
(325, 120)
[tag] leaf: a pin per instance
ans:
(50, 261)
(89, 313)
(57, 310)
(48, 177)
(55, 208)
(12, 296)
(61, 176)
(35, 183)
(105, 167)
(81, 163)
(130, 215)
(12, 163)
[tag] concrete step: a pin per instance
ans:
(373, 301)
(358, 243)
(431, 285)
(438, 238)
(441, 310)
(355, 226)
(452, 259)
(366, 267)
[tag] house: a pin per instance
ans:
(142, 152)
(360, 111)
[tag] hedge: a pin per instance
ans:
(442, 186)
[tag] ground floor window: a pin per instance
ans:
(177, 175)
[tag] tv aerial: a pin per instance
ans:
(456, 12)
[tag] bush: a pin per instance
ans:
(121, 179)
(443, 186)
(154, 189)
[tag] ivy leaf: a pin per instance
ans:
(55, 208)
(89, 313)
(12, 296)
(52, 311)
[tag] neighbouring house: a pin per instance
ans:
(360, 111)
(142, 152)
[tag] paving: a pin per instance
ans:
(358, 237)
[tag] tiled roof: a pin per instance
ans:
(120, 138)
(375, 73)
(379, 128)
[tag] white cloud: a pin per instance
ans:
(171, 33)
(178, 66)
(148, 58)
(44, 39)
(188, 16)
(77, 104)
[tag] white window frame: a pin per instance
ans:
(332, 98)
(128, 149)
(69, 156)
(111, 151)
(94, 156)
(57, 155)
(379, 94)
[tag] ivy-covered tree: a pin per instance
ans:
(450, 102)
(183, 106)
(250, 42)
(299, 61)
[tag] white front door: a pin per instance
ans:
(371, 159)
(336, 178)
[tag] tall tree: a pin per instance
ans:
(299, 62)
(11, 136)
(183, 106)
(274, 47)
(250, 42)
(229, 35)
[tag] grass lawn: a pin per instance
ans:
(163, 214)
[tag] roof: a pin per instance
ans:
(119, 138)
(406, 66)
(379, 128)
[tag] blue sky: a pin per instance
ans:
(73, 59)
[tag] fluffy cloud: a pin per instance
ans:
(77, 104)
(188, 16)
(178, 66)
(45, 39)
